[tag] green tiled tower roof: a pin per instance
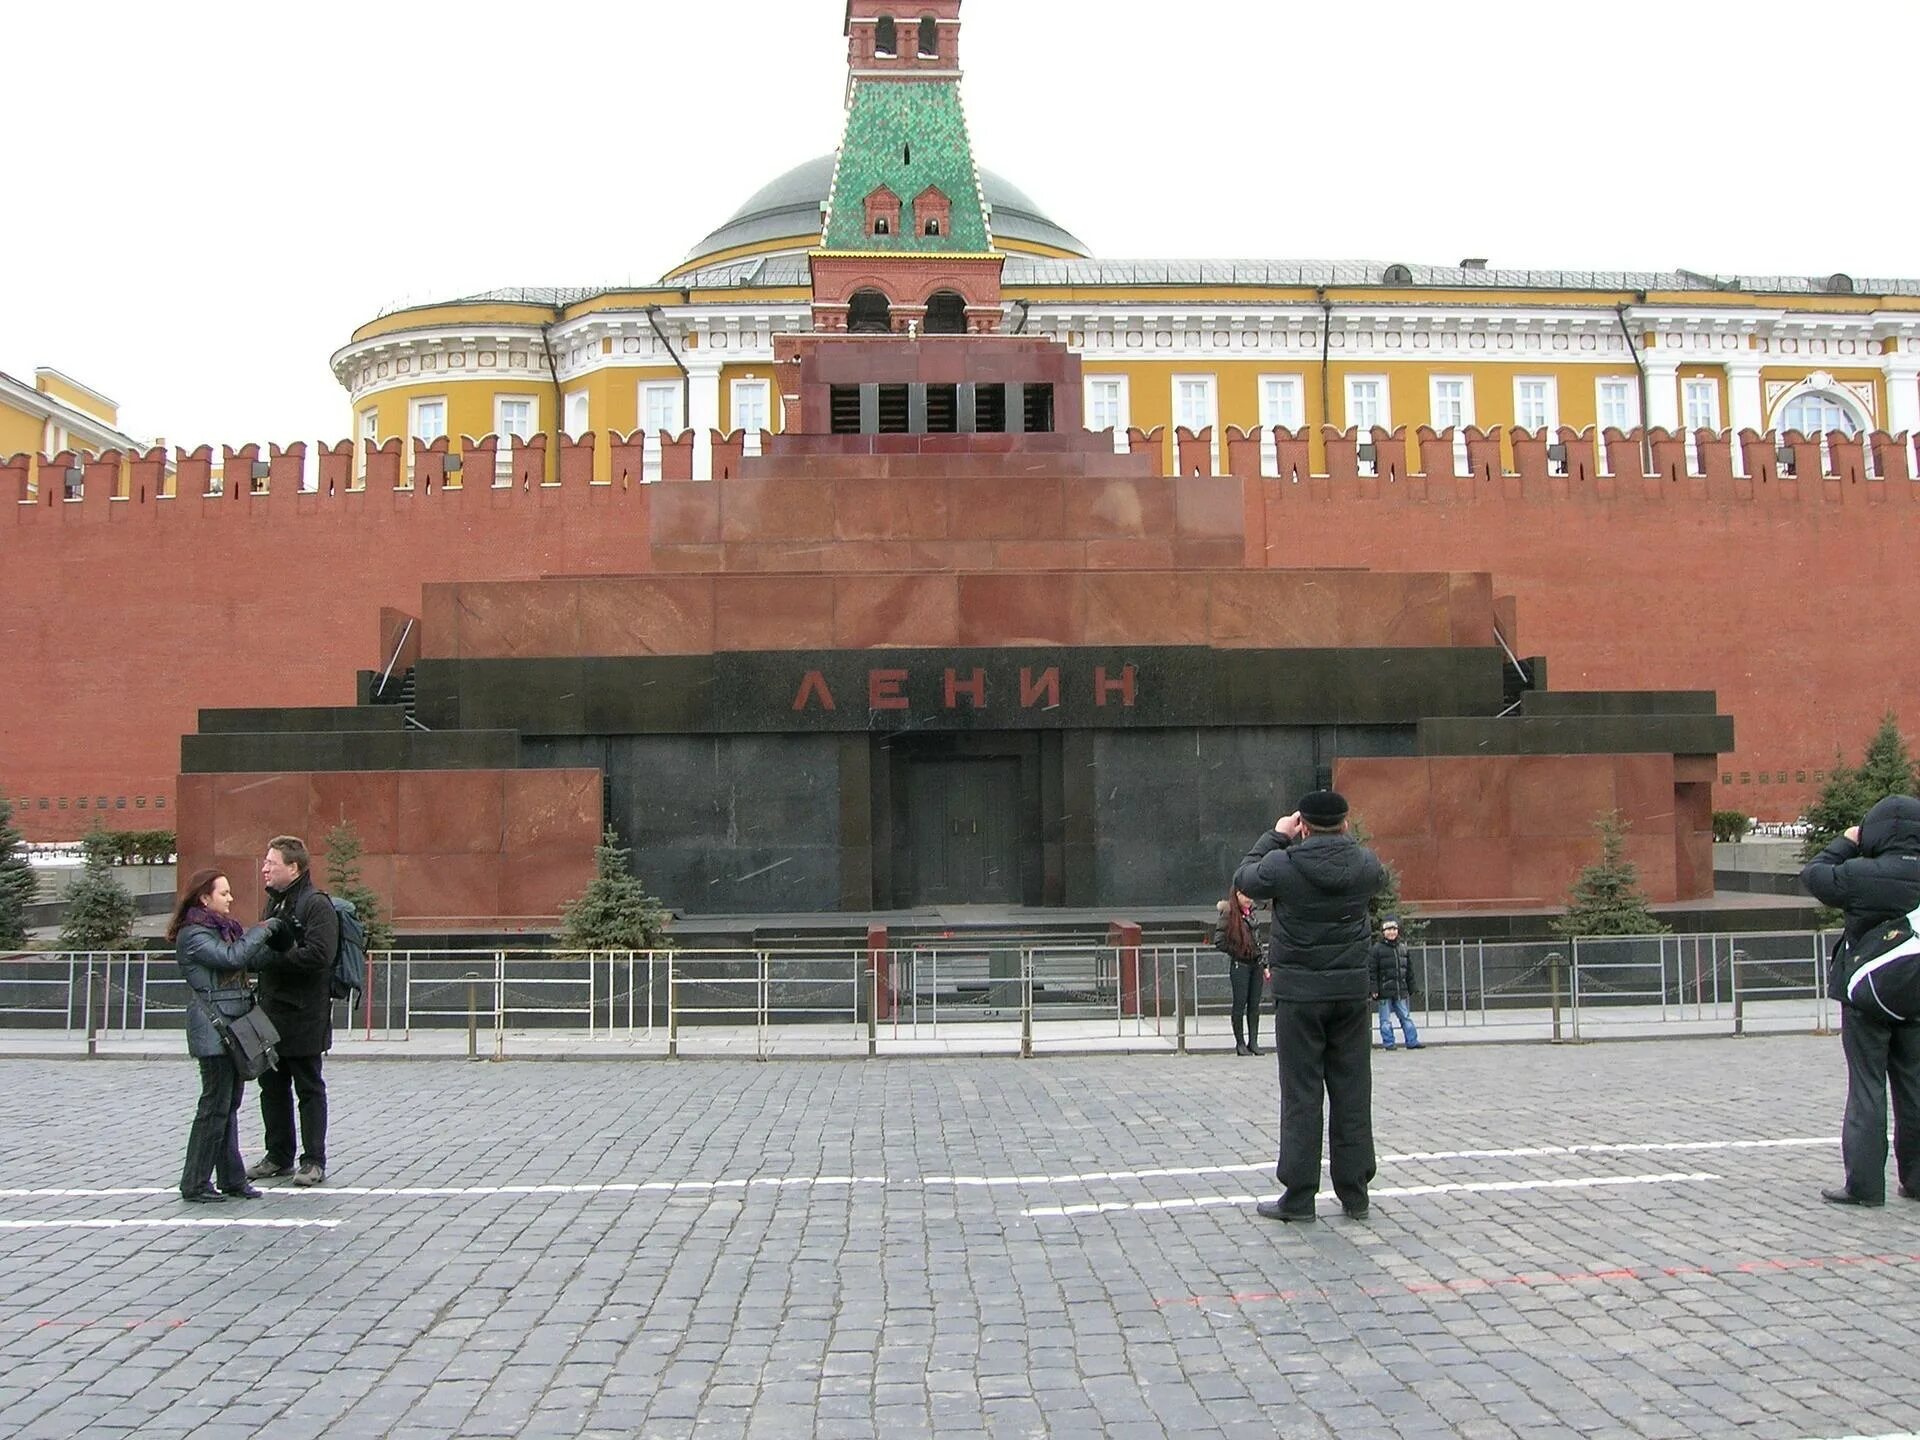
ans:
(906, 135)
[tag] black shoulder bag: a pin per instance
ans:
(250, 1040)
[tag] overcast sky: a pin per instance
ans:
(209, 197)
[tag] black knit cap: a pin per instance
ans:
(1323, 809)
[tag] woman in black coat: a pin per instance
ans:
(214, 951)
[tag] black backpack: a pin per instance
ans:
(1885, 978)
(350, 960)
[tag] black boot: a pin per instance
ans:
(1253, 1034)
(1239, 1038)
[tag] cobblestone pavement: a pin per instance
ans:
(1619, 1239)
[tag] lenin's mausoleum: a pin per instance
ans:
(893, 551)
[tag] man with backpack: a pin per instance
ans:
(298, 998)
(1872, 875)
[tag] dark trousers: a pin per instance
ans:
(1880, 1055)
(1246, 1001)
(213, 1143)
(1324, 1048)
(295, 1073)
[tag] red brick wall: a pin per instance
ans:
(441, 847)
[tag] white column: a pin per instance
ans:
(703, 411)
(1903, 393)
(1663, 389)
(1744, 408)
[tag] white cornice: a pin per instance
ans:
(83, 430)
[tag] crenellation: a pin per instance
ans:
(1195, 451)
(1891, 459)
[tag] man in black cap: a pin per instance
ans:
(1320, 881)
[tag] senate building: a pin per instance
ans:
(893, 550)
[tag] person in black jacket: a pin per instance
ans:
(214, 952)
(1872, 875)
(1392, 972)
(1320, 881)
(1247, 971)
(298, 998)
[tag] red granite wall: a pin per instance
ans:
(505, 848)
(1516, 830)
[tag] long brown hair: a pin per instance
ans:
(196, 890)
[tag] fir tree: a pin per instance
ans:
(342, 847)
(99, 909)
(1606, 899)
(1843, 802)
(17, 883)
(614, 912)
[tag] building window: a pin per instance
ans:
(369, 438)
(1367, 407)
(426, 422)
(885, 38)
(929, 37)
(1452, 398)
(990, 409)
(1616, 402)
(844, 409)
(933, 227)
(1536, 404)
(752, 405)
(1037, 409)
(660, 410)
(1816, 413)
(880, 225)
(577, 422)
(1280, 404)
(1702, 402)
(512, 415)
(1195, 406)
(1107, 407)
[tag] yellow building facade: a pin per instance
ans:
(54, 413)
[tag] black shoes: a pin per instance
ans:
(1356, 1212)
(240, 1192)
(1416, 1045)
(1847, 1197)
(205, 1197)
(1906, 1194)
(1272, 1210)
(1253, 1049)
(1240, 1047)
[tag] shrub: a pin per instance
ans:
(614, 912)
(1606, 899)
(99, 910)
(1730, 826)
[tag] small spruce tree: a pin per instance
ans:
(1606, 898)
(17, 882)
(1886, 769)
(614, 912)
(99, 910)
(342, 847)
(1386, 900)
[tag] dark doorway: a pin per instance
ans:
(964, 817)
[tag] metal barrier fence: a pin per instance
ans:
(1014, 996)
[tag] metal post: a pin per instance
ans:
(1179, 1006)
(500, 1005)
(93, 1040)
(1739, 1000)
(473, 1015)
(761, 1001)
(673, 1012)
(1026, 1003)
(1820, 974)
(873, 1007)
(1573, 983)
(1554, 961)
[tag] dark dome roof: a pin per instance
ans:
(790, 206)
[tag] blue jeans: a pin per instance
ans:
(1390, 1008)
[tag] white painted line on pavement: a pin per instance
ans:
(774, 1182)
(1203, 1202)
(168, 1223)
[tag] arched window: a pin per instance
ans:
(946, 314)
(929, 37)
(933, 226)
(880, 225)
(884, 40)
(1817, 412)
(869, 314)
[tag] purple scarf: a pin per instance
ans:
(228, 928)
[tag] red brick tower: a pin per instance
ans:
(907, 246)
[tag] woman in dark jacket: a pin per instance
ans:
(1872, 875)
(1248, 971)
(214, 950)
